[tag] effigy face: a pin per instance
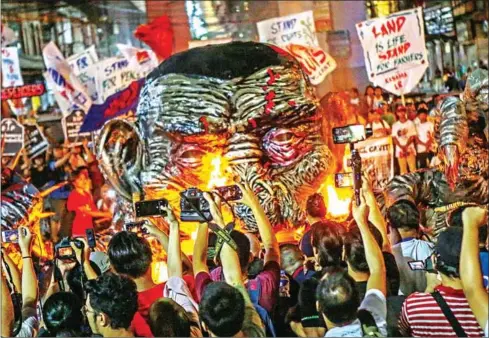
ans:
(211, 114)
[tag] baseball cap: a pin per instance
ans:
(449, 246)
(101, 259)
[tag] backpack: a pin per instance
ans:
(254, 291)
(368, 325)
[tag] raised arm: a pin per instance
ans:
(14, 271)
(375, 260)
(375, 215)
(7, 308)
(30, 291)
(270, 244)
(174, 250)
(83, 258)
(473, 218)
(61, 162)
(199, 257)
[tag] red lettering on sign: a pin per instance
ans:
(397, 51)
(394, 25)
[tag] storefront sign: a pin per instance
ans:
(394, 50)
(81, 61)
(12, 136)
(322, 16)
(35, 142)
(71, 127)
(339, 44)
(297, 34)
(23, 91)
(377, 160)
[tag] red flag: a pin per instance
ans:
(158, 34)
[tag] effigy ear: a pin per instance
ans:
(120, 151)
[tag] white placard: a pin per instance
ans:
(143, 61)
(394, 50)
(297, 34)
(113, 75)
(11, 75)
(68, 90)
(377, 160)
(81, 61)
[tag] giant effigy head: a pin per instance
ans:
(463, 157)
(211, 114)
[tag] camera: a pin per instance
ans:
(151, 208)
(64, 251)
(194, 207)
(351, 134)
(136, 227)
(426, 265)
(230, 193)
(343, 180)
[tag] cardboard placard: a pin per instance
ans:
(23, 91)
(71, 124)
(13, 136)
(297, 34)
(81, 61)
(35, 141)
(394, 49)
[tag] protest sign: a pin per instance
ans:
(394, 50)
(113, 75)
(12, 136)
(116, 105)
(377, 160)
(81, 61)
(88, 78)
(297, 34)
(143, 61)
(69, 93)
(71, 127)
(35, 142)
(11, 75)
(23, 91)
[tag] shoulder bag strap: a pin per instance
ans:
(449, 314)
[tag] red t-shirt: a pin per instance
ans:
(146, 298)
(82, 221)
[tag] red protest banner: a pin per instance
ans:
(30, 90)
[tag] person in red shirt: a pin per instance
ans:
(80, 201)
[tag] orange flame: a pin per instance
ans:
(217, 177)
(338, 199)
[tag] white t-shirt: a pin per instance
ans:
(403, 131)
(376, 304)
(377, 102)
(416, 249)
(377, 128)
(424, 129)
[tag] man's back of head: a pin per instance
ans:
(337, 298)
(403, 215)
(116, 297)
(168, 319)
(222, 309)
(130, 254)
(447, 251)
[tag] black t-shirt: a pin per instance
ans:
(40, 177)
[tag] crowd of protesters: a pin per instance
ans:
(355, 278)
(412, 131)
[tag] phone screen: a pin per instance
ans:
(150, 208)
(416, 265)
(349, 134)
(90, 238)
(63, 252)
(10, 236)
(343, 180)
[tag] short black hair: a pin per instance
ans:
(338, 298)
(130, 254)
(76, 279)
(222, 309)
(355, 248)
(62, 311)
(404, 215)
(75, 173)
(168, 319)
(327, 238)
(116, 296)
(315, 206)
